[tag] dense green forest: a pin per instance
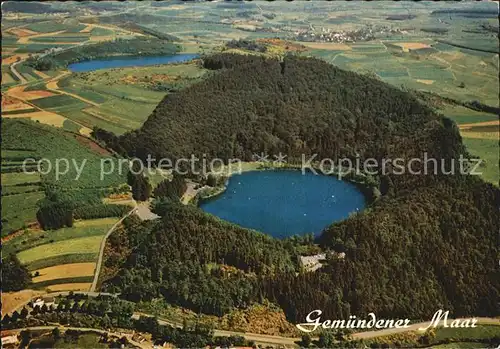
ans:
(429, 242)
(137, 46)
(424, 243)
(15, 276)
(229, 60)
(249, 45)
(435, 247)
(182, 258)
(298, 106)
(172, 190)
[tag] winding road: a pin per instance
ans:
(291, 341)
(266, 339)
(85, 329)
(53, 87)
(286, 341)
(14, 71)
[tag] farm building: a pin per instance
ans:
(312, 263)
(48, 301)
(9, 340)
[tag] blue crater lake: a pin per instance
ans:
(285, 203)
(128, 61)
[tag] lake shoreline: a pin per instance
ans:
(317, 203)
(370, 193)
(129, 61)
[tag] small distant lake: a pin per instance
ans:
(128, 61)
(285, 203)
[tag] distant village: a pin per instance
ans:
(328, 35)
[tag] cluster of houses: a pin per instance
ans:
(52, 50)
(313, 263)
(328, 35)
(12, 341)
(47, 301)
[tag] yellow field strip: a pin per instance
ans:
(40, 115)
(326, 46)
(84, 286)
(65, 271)
(44, 117)
(476, 124)
(14, 58)
(481, 135)
(41, 74)
(407, 46)
(87, 29)
(12, 300)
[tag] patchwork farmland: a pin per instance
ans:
(65, 256)
(54, 228)
(59, 259)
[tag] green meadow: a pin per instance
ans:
(463, 115)
(487, 150)
(78, 257)
(52, 143)
(19, 210)
(31, 238)
(86, 244)
(22, 191)
(52, 26)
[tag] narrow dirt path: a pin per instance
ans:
(287, 341)
(53, 87)
(14, 71)
(103, 245)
